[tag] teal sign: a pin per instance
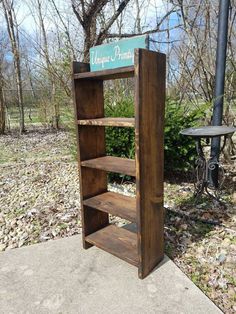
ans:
(116, 54)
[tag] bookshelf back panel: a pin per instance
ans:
(89, 99)
(91, 142)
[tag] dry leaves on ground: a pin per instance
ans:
(39, 200)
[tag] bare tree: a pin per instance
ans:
(2, 103)
(87, 13)
(3, 45)
(193, 57)
(51, 75)
(13, 32)
(66, 30)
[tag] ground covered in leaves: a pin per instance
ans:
(39, 200)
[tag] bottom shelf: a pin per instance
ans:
(118, 241)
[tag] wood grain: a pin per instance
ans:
(112, 164)
(145, 248)
(149, 125)
(119, 122)
(88, 100)
(117, 241)
(115, 204)
(118, 73)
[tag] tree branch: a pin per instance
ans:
(77, 14)
(103, 32)
(155, 30)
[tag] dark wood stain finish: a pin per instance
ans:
(117, 241)
(115, 204)
(88, 99)
(150, 102)
(112, 164)
(144, 247)
(118, 73)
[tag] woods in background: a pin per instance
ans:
(39, 40)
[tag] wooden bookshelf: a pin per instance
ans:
(145, 247)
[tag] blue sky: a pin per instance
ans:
(27, 22)
(26, 19)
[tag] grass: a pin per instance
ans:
(10, 156)
(202, 229)
(35, 115)
(169, 249)
(192, 200)
(14, 148)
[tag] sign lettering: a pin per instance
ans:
(116, 54)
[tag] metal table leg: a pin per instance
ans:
(203, 168)
(200, 169)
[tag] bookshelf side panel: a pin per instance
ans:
(149, 136)
(89, 104)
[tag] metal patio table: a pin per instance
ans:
(203, 164)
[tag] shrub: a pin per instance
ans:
(120, 141)
(179, 150)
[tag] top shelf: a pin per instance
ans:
(117, 73)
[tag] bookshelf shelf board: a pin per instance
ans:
(111, 164)
(117, 241)
(119, 122)
(113, 203)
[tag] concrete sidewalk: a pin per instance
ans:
(60, 277)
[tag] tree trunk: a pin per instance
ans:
(14, 38)
(56, 118)
(87, 44)
(2, 111)
(88, 19)
(20, 94)
(51, 76)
